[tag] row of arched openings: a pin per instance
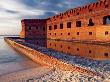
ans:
(106, 21)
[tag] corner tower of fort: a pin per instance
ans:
(34, 28)
(89, 22)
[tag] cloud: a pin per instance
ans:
(12, 11)
(11, 14)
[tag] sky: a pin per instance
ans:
(13, 11)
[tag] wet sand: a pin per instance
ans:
(7, 68)
(48, 74)
(12, 61)
(26, 75)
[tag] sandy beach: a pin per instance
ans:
(49, 74)
(25, 75)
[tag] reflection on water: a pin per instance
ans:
(96, 52)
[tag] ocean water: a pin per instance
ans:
(11, 60)
(8, 54)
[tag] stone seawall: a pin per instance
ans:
(47, 60)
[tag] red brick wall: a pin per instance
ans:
(95, 11)
(34, 28)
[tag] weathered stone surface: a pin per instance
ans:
(88, 22)
(33, 28)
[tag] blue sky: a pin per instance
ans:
(12, 11)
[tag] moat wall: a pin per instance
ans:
(45, 59)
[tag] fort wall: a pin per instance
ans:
(34, 28)
(89, 22)
(86, 23)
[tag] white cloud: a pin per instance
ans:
(12, 11)
(11, 21)
(11, 4)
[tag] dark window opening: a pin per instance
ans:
(37, 27)
(68, 33)
(61, 33)
(55, 27)
(106, 33)
(43, 28)
(90, 23)
(55, 45)
(50, 27)
(77, 33)
(61, 46)
(78, 23)
(106, 6)
(50, 44)
(69, 25)
(68, 47)
(90, 10)
(105, 54)
(29, 28)
(55, 33)
(106, 20)
(61, 26)
(77, 49)
(96, 4)
(90, 33)
(90, 51)
(50, 33)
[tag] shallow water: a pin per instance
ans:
(7, 54)
(11, 60)
(90, 51)
(88, 56)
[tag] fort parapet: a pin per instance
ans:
(89, 22)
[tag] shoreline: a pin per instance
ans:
(45, 58)
(30, 51)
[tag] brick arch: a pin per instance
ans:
(90, 22)
(105, 20)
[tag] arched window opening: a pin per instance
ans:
(55, 27)
(61, 26)
(69, 25)
(78, 23)
(90, 23)
(50, 27)
(106, 20)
